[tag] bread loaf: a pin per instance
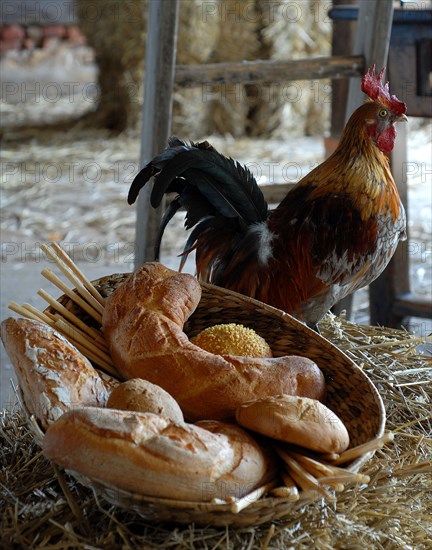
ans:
(147, 454)
(52, 374)
(142, 396)
(299, 420)
(143, 324)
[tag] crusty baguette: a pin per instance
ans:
(143, 324)
(52, 374)
(305, 422)
(147, 454)
(110, 382)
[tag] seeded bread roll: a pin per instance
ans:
(143, 324)
(142, 396)
(52, 374)
(232, 339)
(299, 420)
(149, 455)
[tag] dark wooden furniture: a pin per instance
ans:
(409, 66)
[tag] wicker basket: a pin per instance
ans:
(350, 394)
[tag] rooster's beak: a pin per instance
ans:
(401, 118)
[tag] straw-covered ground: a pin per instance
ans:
(42, 507)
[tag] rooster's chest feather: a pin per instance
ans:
(340, 237)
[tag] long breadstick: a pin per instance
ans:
(81, 289)
(76, 335)
(360, 450)
(52, 277)
(312, 465)
(290, 485)
(21, 310)
(301, 476)
(92, 332)
(343, 478)
(245, 501)
(62, 255)
(328, 471)
(285, 492)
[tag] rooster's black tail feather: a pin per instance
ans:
(209, 186)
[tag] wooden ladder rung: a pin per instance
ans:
(342, 66)
(410, 305)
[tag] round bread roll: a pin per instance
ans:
(147, 454)
(305, 422)
(232, 339)
(143, 396)
(52, 374)
(143, 324)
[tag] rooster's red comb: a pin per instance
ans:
(374, 87)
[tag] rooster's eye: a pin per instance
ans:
(383, 113)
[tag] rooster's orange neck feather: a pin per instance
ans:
(358, 169)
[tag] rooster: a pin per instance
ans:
(333, 233)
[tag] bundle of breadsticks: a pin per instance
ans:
(141, 406)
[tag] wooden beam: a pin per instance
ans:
(410, 305)
(249, 72)
(394, 281)
(160, 58)
(372, 41)
(342, 41)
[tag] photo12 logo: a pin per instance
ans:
(91, 252)
(269, 11)
(31, 172)
(49, 92)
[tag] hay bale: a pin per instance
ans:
(238, 41)
(197, 39)
(296, 30)
(116, 31)
(219, 31)
(266, 101)
(269, 29)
